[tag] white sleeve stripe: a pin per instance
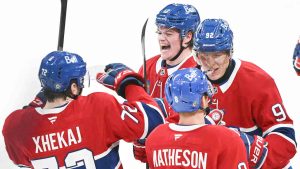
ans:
(276, 127)
(247, 130)
(103, 154)
(249, 147)
(164, 107)
(159, 111)
(118, 165)
(145, 120)
(263, 161)
(285, 137)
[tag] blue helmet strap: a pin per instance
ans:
(207, 110)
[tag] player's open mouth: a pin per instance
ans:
(165, 47)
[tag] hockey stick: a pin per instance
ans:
(144, 62)
(63, 13)
(144, 55)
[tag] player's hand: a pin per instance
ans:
(38, 101)
(258, 151)
(256, 146)
(215, 117)
(296, 58)
(139, 150)
(117, 76)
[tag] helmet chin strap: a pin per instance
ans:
(179, 52)
(207, 110)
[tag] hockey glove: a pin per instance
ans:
(139, 150)
(215, 117)
(257, 149)
(38, 101)
(117, 76)
(297, 65)
(296, 58)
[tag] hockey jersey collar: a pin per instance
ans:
(182, 128)
(225, 86)
(172, 69)
(55, 110)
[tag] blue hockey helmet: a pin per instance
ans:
(183, 17)
(185, 88)
(58, 68)
(213, 35)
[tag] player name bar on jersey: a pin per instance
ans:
(179, 157)
(54, 141)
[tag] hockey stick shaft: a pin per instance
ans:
(62, 24)
(144, 55)
(144, 61)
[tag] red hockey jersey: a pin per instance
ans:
(158, 74)
(83, 133)
(252, 102)
(172, 146)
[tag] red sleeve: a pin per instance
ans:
(276, 125)
(135, 118)
(141, 71)
(280, 151)
(137, 93)
(15, 153)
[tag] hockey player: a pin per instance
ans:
(247, 93)
(73, 131)
(176, 24)
(190, 143)
(296, 58)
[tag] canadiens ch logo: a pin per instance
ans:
(162, 72)
(215, 90)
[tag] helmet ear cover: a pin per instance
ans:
(50, 95)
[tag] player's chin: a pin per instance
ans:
(165, 55)
(214, 74)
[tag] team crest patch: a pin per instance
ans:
(216, 116)
(162, 72)
(215, 90)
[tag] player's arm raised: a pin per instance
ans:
(139, 113)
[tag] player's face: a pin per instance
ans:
(214, 63)
(169, 42)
